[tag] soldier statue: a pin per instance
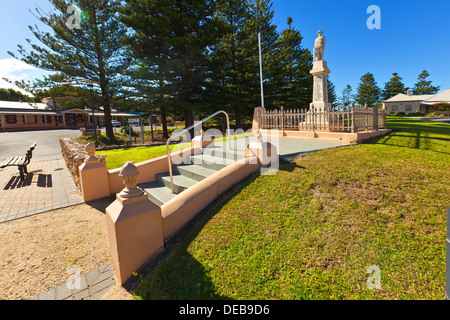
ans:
(319, 47)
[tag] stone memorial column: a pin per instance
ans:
(320, 72)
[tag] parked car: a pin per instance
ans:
(116, 123)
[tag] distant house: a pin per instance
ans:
(26, 116)
(409, 103)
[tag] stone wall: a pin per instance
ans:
(74, 154)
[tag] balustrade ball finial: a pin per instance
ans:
(90, 150)
(129, 175)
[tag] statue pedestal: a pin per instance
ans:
(320, 67)
(320, 72)
(320, 102)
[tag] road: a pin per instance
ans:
(47, 142)
(437, 119)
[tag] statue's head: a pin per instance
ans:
(320, 33)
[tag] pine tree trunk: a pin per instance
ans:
(108, 125)
(237, 116)
(164, 122)
(189, 121)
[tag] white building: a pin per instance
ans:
(409, 103)
(26, 116)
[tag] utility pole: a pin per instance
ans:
(260, 69)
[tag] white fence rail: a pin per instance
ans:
(350, 119)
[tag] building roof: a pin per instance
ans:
(443, 96)
(13, 105)
(403, 97)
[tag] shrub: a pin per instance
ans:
(415, 114)
(126, 130)
(401, 113)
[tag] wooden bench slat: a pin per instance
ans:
(16, 161)
(11, 163)
(6, 162)
(20, 161)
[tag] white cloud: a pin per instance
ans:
(8, 68)
(13, 70)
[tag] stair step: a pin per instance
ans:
(195, 172)
(157, 192)
(180, 182)
(185, 176)
(214, 163)
(225, 153)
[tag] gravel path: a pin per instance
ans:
(36, 252)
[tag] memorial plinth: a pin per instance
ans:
(320, 73)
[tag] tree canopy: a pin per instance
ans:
(368, 91)
(423, 86)
(393, 87)
(85, 44)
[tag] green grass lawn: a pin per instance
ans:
(312, 230)
(116, 158)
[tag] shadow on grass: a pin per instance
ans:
(414, 134)
(175, 274)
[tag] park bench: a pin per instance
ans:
(20, 162)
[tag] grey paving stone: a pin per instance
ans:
(83, 285)
(106, 268)
(91, 277)
(99, 294)
(63, 292)
(102, 277)
(107, 283)
(48, 295)
(82, 295)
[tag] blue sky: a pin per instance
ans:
(414, 35)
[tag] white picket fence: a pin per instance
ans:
(349, 119)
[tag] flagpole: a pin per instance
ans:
(260, 70)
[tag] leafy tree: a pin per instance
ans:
(332, 98)
(423, 86)
(393, 87)
(13, 95)
(228, 58)
(82, 46)
(173, 38)
(260, 21)
(346, 97)
(368, 91)
(149, 50)
(292, 83)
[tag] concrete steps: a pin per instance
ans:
(185, 176)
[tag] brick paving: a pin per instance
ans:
(49, 186)
(91, 286)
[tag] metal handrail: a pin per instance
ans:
(187, 129)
